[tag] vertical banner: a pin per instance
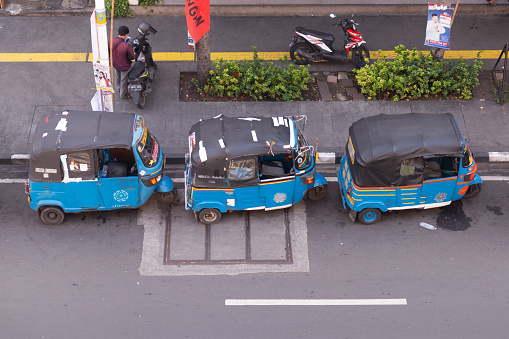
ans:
(102, 77)
(438, 29)
(97, 102)
(198, 18)
(190, 41)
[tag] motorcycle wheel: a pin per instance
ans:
(360, 56)
(297, 58)
(138, 99)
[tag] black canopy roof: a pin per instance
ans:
(80, 130)
(222, 138)
(381, 142)
(59, 133)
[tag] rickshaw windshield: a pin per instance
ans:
(303, 154)
(148, 149)
(467, 157)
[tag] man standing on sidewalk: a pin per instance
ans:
(122, 53)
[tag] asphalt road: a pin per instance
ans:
(81, 279)
(238, 34)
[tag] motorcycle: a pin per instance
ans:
(142, 73)
(310, 45)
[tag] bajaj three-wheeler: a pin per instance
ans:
(405, 161)
(93, 161)
(248, 164)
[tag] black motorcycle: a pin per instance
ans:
(142, 73)
(310, 45)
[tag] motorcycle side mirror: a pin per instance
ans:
(332, 15)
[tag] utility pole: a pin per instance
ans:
(102, 39)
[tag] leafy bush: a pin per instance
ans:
(146, 3)
(257, 79)
(122, 8)
(413, 75)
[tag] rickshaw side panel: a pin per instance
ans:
(51, 194)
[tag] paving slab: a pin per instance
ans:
(269, 244)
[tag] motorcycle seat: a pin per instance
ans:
(321, 35)
(136, 71)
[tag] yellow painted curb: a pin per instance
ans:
(189, 56)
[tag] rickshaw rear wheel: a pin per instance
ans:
(52, 215)
(369, 216)
(209, 216)
(473, 190)
(317, 193)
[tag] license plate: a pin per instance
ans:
(132, 88)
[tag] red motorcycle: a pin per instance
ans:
(310, 45)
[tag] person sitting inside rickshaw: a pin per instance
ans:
(432, 169)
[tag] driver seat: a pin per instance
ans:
(137, 70)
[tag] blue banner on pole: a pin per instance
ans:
(438, 29)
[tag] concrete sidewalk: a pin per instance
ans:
(37, 88)
(237, 8)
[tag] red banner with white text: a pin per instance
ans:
(198, 18)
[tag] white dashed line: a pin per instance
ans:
(315, 302)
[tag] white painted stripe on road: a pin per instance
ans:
(329, 179)
(315, 302)
(494, 178)
(498, 156)
(12, 181)
(20, 156)
(326, 157)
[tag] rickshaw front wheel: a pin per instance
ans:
(169, 197)
(369, 216)
(52, 215)
(473, 190)
(317, 193)
(209, 216)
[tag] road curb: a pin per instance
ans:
(323, 158)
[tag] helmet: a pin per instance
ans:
(145, 29)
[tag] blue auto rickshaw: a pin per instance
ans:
(93, 161)
(248, 164)
(405, 161)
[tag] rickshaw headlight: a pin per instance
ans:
(151, 181)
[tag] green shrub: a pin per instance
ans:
(413, 75)
(122, 8)
(146, 3)
(257, 79)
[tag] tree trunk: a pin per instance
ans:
(203, 58)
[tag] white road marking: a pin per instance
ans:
(494, 178)
(12, 181)
(315, 302)
(498, 156)
(329, 179)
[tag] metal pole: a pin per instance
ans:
(455, 9)
(111, 45)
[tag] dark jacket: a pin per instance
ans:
(122, 54)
